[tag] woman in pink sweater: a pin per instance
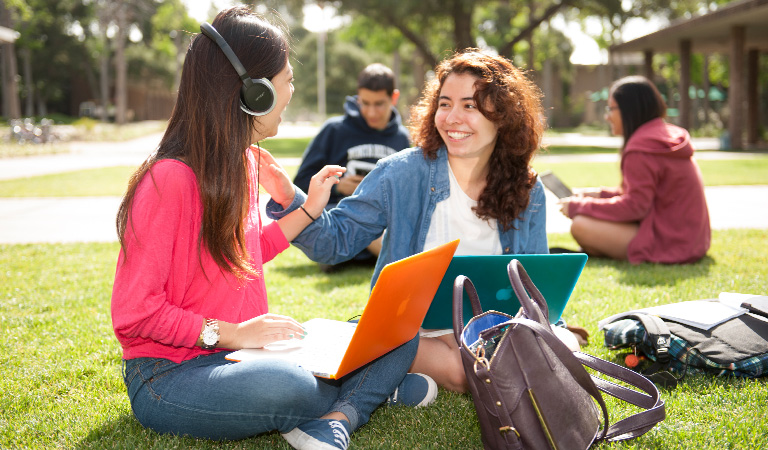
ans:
(189, 284)
(659, 213)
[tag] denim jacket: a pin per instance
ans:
(399, 196)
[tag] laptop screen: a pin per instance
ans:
(554, 275)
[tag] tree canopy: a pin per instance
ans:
(62, 41)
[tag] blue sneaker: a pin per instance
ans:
(320, 434)
(415, 390)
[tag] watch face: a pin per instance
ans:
(210, 337)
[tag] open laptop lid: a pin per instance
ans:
(397, 305)
(394, 312)
(554, 275)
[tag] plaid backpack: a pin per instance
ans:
(738, 347)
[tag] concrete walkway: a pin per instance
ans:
(92, 219)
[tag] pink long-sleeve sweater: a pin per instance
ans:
(662, 190)
(163, 287)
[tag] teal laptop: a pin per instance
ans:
(554, 275)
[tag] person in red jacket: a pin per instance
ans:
(659, 213)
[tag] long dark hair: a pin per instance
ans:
(639, 102)
(506, 97)
(209, 132)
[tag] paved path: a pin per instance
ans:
(92, 219)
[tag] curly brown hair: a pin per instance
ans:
(506, 97)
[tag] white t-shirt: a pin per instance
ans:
(454, 219)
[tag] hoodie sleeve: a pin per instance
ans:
(608, 192)
(315, 157)
(640, 182)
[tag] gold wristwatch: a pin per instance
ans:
(210, 334)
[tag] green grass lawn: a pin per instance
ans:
(60, 362)
(725, 172)
(286, 148)
(111, 181)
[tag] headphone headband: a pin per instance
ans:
(257, 96)
(211, 32)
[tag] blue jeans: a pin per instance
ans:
(210, 397)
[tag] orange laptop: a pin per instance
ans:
(396, 307)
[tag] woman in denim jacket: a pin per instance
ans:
(477, 127)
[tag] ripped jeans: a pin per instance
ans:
(211, 397)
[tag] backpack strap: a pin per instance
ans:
(660, 337)
(640, 392)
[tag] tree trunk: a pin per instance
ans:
(42, 108)
(707, 86)
(10, 72)
(531, 19)
(121, 68)
(418, 74)
(29, 104)
(397, 66)
(104, 76)
(179, 41)
(462, 24)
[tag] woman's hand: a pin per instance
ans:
(274, 178)
(587, 192)
(320, 188)
(319, 192)
(259, 331)
(564, 203)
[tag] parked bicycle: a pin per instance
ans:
(26, 131)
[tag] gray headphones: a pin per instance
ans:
(257, 96)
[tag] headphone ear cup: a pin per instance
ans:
(259, 98)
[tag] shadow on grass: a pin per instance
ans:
(652, 274)
(125, 432)
(347, 275)
(119, 432)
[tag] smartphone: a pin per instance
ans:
(554, 184)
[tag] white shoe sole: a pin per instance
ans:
(431, 392)
(302, 441)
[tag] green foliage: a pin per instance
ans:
(46, 35)
(171, 31)
(386, 45)
(343, 61)
(60, 362)
(429, 25)
(167, 30)
(371, 35)
(87, 123)
(63, 34)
